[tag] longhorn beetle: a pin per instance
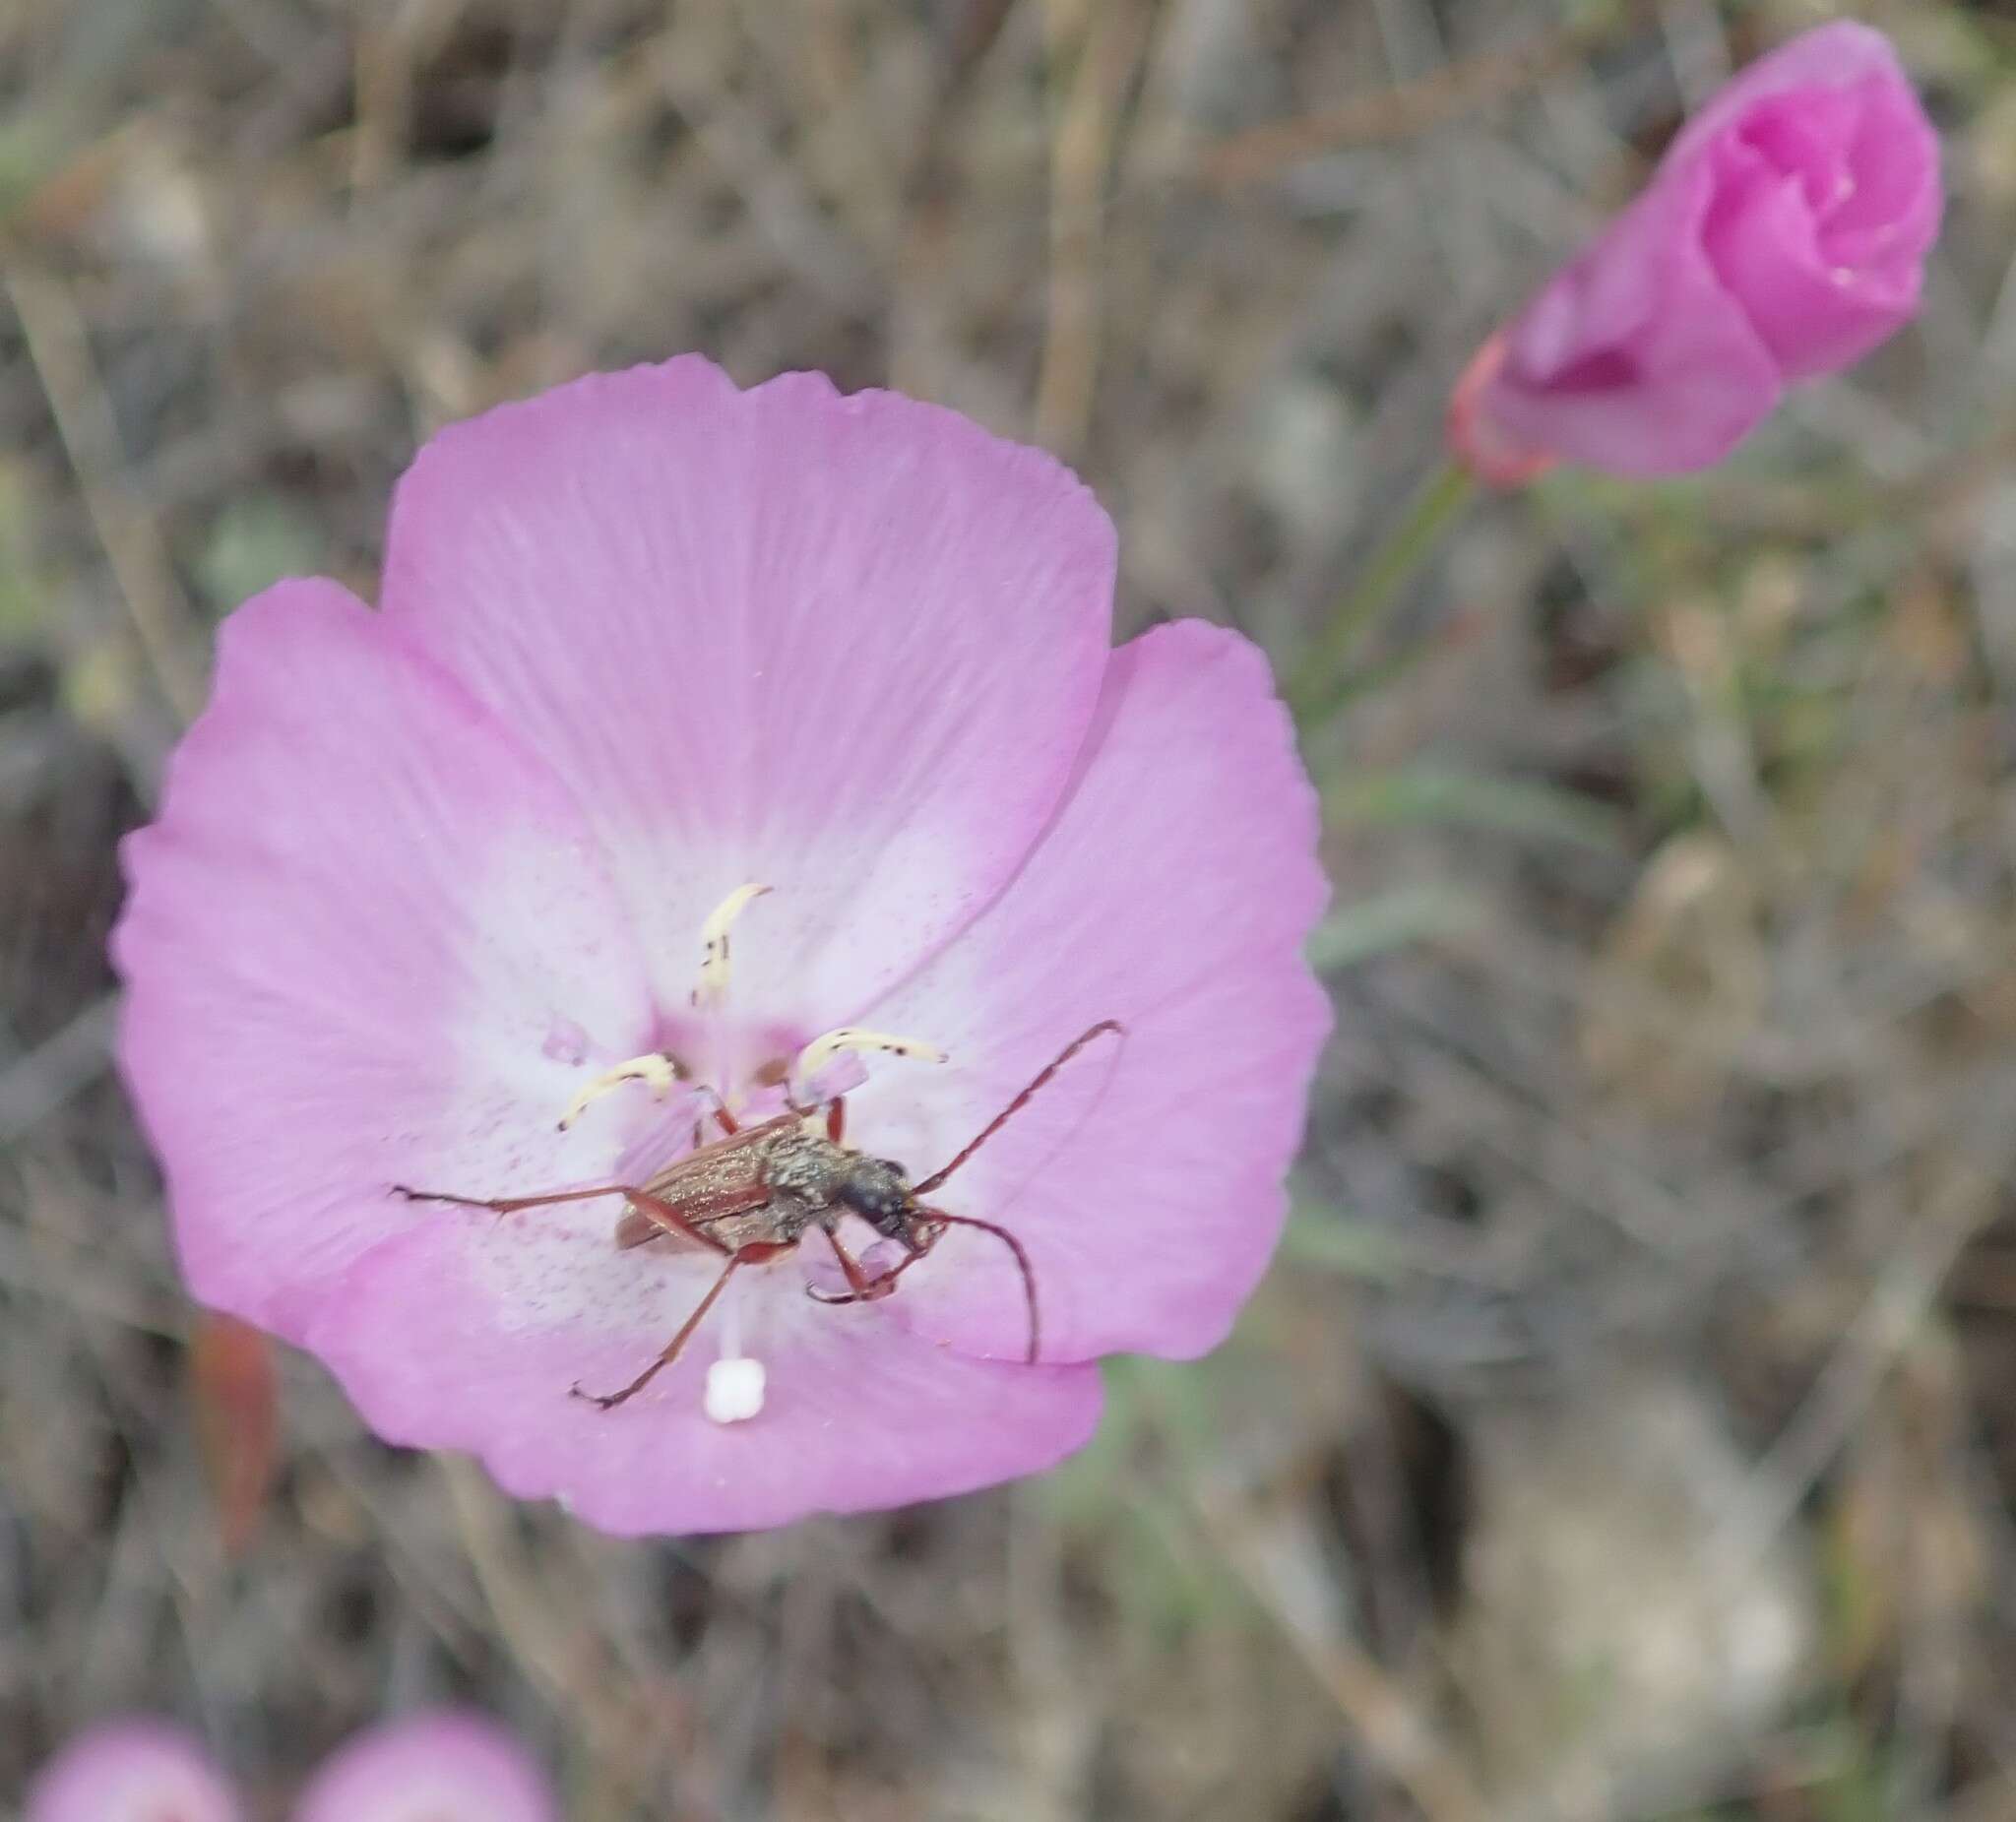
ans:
(752, 1195)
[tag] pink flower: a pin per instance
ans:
(439, 1767)
(131, 1770)
(431, 1768)
(1783, 236)
(441, 896)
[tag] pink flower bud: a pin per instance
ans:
(1783, 236)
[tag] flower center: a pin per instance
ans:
(812, 1079)
(814, 1076)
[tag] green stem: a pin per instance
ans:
(1324, 676)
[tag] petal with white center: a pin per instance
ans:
(1172, 892)
(362, 915)
(464, 1338)
(846, 646)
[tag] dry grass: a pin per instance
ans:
(1694, 808)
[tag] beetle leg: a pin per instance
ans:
(759, 1253)
(860, 1288)
(942, 1220)
(654, 1209)
(877, 1288)
(725, 1120)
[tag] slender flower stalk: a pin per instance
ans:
(1414, 538)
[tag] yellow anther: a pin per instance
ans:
(714, 945)
(822, 1050)
(654, 1068)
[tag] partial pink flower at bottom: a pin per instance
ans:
(711, 748)
(131, 1770)
(432, 1768)
(437, 1767)
(1783, 236)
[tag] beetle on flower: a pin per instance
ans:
(713, 755)
(753, 1194)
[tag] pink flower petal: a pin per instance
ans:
(1822, 299)
(430, 1768)
(350, 933)
(1814, 317)
(1172, 892)
(845, 646)
(1892, 219)
(445, 1344)
(1842, 55)
(1634, 359)
(132, 1771)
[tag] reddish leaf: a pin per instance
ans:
(238, 1419)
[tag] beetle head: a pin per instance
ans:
(878, 1190)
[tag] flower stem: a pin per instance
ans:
(1323, 677)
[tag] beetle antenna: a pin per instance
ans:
(1015, 1247)
(1019, 1102)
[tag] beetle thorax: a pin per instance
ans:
(807, 1169)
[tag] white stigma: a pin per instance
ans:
(734, 1389)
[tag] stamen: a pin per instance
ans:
(654, 1068)
(715, 970)
(822, 1050)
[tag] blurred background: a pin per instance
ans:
(1629, 1428)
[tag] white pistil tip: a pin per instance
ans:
(734, 1389)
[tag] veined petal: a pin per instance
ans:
(354, 928)
(1172, 892)
(447, 1340)
(845, 647)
